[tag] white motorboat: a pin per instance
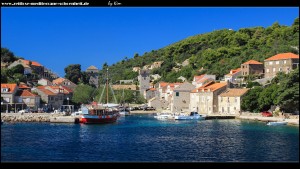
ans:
(192, 116)
(164, 116)
(277, 123)
(124, 112)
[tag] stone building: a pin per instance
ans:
(283, 62)
(64, 82)
(180, 100)
(230, 101)
(208, 97)
(252, 67)
(232, 76)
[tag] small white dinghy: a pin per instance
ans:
(277, 123)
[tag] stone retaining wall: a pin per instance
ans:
(27, 117)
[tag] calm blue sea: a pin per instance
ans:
(141, 138)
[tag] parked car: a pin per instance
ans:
(23, 111)
(266, 114)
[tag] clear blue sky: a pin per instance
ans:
(57, 37)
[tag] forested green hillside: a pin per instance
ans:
(216, 52)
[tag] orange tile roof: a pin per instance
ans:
(47, 92)
(202, 87)
(67, 89)
(58, 80)
(163, 84)
(215, 86)
(234, 92)
(173, 84)
(11, 86)
(202, 80)
(23, 86)
(252, 62)
(198, 77)
(25, 93)
(233, 71)
(40, 87)
(211, 86)
(283, 56)
(26, 62)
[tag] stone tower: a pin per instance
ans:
(144, 80)
(93, 71)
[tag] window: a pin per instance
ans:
(6, 99)
(177, 93)
(227, 99)
(234, 108)
(280, 69)
(274, 70)
(208, 98)
(284, 62)
(277, 62)
(221, 99)
(268, 70)
(222, 109)
(235, 99)
(202, 98)
(270, 63)
(4, 89)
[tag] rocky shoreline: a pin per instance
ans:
(291, 121)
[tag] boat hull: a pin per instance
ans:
(197, 117)
(93, 119)
(276, 123)
(124, 113)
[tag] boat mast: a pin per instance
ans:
(107, 86)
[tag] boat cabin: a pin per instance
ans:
(193, 113)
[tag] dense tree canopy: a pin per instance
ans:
(7, 56)
(73, 73)
(216, 52)
(82, 94)
(283, 92)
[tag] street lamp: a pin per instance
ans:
(68, 100)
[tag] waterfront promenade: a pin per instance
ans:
(48, 117)
(291, 121)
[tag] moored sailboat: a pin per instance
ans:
(101, 113)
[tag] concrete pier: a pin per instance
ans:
(143, 112)
(38, 117)
(210, 117)
(63, 119)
